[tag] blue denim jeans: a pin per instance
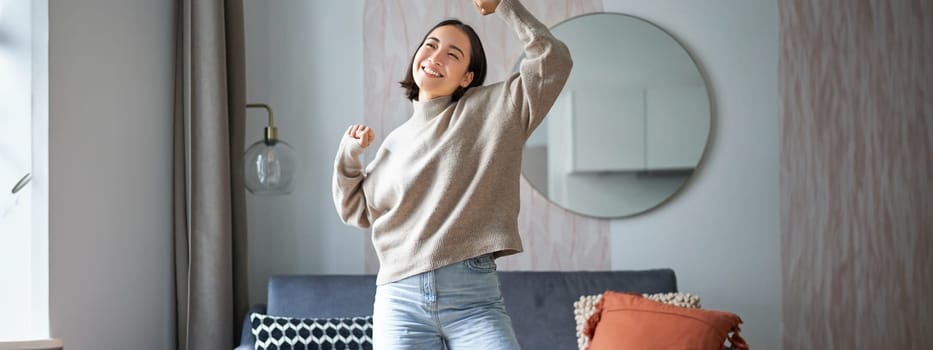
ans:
(455, 307)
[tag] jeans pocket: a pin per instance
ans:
(482, 264)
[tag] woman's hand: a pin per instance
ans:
(363, 133)
(486, 7)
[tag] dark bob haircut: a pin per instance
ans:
(477, 62)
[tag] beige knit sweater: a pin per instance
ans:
(444, 186)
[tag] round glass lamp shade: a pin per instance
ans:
(269, 167)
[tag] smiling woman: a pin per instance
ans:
(24, 263)
(441, 197)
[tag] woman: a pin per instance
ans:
(442, 193)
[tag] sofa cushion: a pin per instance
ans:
(351, 333)
(586, 306)
(629, 321)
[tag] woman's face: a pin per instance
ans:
(440, 65)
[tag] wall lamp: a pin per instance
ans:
(269, 164)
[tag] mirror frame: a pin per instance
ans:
(707, 146)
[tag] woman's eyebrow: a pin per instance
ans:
(458, 49)
(451, 46)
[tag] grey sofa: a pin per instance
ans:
(539, 303)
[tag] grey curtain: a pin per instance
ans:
(209, 197)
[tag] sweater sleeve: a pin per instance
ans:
(349, 198)
(543, 71)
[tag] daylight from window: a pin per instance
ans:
(23, 170)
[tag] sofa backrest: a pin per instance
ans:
(540, 303)
(321, 296)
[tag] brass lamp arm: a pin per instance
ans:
(271, 134)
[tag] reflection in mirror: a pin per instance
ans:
(629, 127)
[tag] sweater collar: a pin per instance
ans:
(430, 108)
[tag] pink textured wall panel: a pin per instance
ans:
(856, 168)
(554, 239)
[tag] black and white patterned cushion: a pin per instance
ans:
(287, 333)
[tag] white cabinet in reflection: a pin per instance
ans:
(608, 128)
(631, 129)
(677, 123)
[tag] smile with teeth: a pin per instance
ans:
(432, 72)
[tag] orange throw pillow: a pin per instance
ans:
(629, 321)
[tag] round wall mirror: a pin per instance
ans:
(630, 126)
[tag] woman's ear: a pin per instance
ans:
(467, 79)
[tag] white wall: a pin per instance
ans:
(110, 146)
(721, 233)
(305, 59)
